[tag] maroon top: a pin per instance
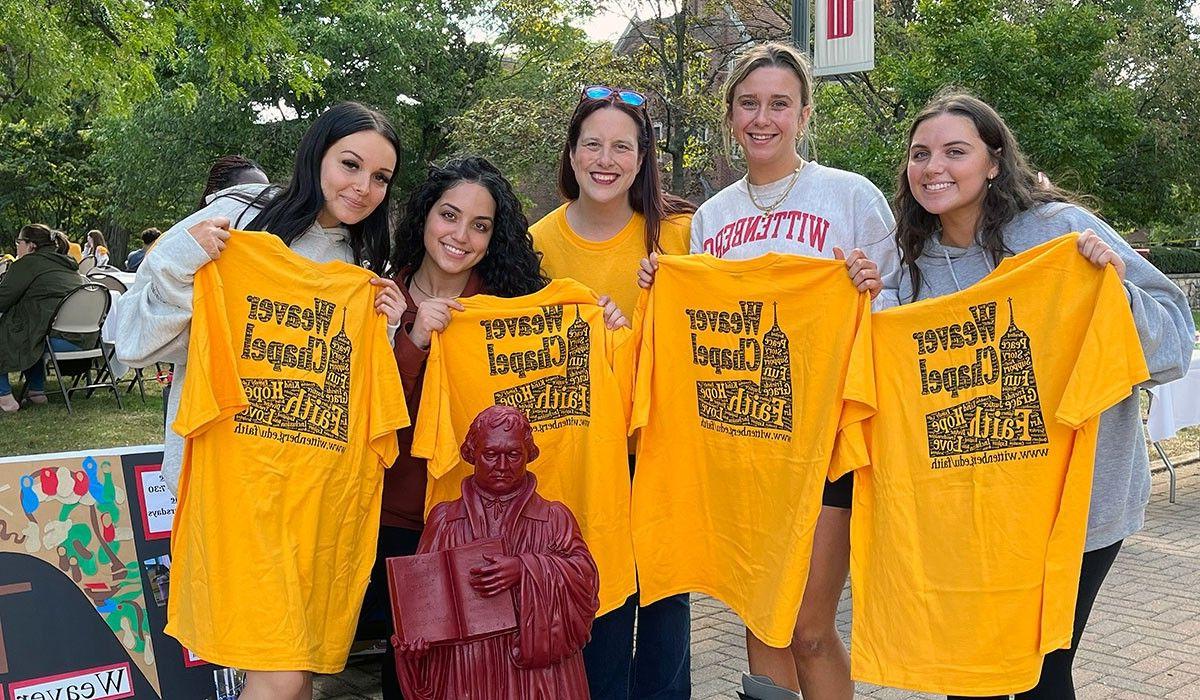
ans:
(404, 483)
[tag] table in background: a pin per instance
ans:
(1174, 406)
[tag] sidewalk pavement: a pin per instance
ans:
(1143, 640)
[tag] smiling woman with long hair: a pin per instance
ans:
(966, 198)
(336, 207)
(614, 215)
(462, 232)
(768, 100)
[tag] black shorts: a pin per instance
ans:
(839, 494)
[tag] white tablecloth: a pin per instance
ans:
(125, 277)
(1175, 405)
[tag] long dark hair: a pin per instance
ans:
(510, 267)
(645, 194)
(1014, 189)
(289, 211)
(228, 171)
(39, 236)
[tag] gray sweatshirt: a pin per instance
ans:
(155, 315)
(1121, 483)
(825, 207)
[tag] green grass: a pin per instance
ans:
(96, 423)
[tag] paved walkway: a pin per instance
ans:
(1143, 640)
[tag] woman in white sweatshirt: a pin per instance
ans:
(336, 207)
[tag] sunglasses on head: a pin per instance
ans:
(600, 92)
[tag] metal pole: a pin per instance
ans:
(801, 38)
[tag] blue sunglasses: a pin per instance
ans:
(629, 97)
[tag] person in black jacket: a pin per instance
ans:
(30, 291)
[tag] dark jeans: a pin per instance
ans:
(1056, 682)
(35, 376)
(662, 667)
(376, 616)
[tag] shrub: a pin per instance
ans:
(1174, 260)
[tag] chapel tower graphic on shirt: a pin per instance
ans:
(988, 423)
(306, 406)
(745, 403)
(558, 396)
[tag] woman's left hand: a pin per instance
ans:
(1099, 253)
(613, 318)
(864, 273)
(388, 300)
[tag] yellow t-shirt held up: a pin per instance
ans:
(968, 526)
(608, 267)
(739, 397)
(550, 355)
(289, 412)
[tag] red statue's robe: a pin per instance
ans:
(557, 598)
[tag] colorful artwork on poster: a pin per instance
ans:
(74, 514)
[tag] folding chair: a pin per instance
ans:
(86, 265)
(82, 311)
(107, 280)
(1161, 452)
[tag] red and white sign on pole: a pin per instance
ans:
(845, 41)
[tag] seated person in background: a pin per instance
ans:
(63, 245)
(95, 245)
(149, 236)
(30, 292)
(73, 249)
(228, 171)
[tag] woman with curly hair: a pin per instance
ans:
(462, 232)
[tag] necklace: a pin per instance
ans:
(769, 209)
(421, 289)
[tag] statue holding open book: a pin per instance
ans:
(499, 599)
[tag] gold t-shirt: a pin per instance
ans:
(739, 398)
(968, 527)
(608, 267)
(550, 355)
(289, 412)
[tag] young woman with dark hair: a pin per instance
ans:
(336, 207)
(228, 171)
(615, 214)
(462, 232)
(965, 199)
(30, 291)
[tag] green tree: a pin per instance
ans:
(1096, 93)
(409, 58)
(45, 176)
(112, 51)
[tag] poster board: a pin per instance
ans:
(84, 580)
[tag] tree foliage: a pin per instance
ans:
(112, 110)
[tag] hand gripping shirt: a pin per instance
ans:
(289, 411)
(739, 397)
(968, 527)
(550, 355)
